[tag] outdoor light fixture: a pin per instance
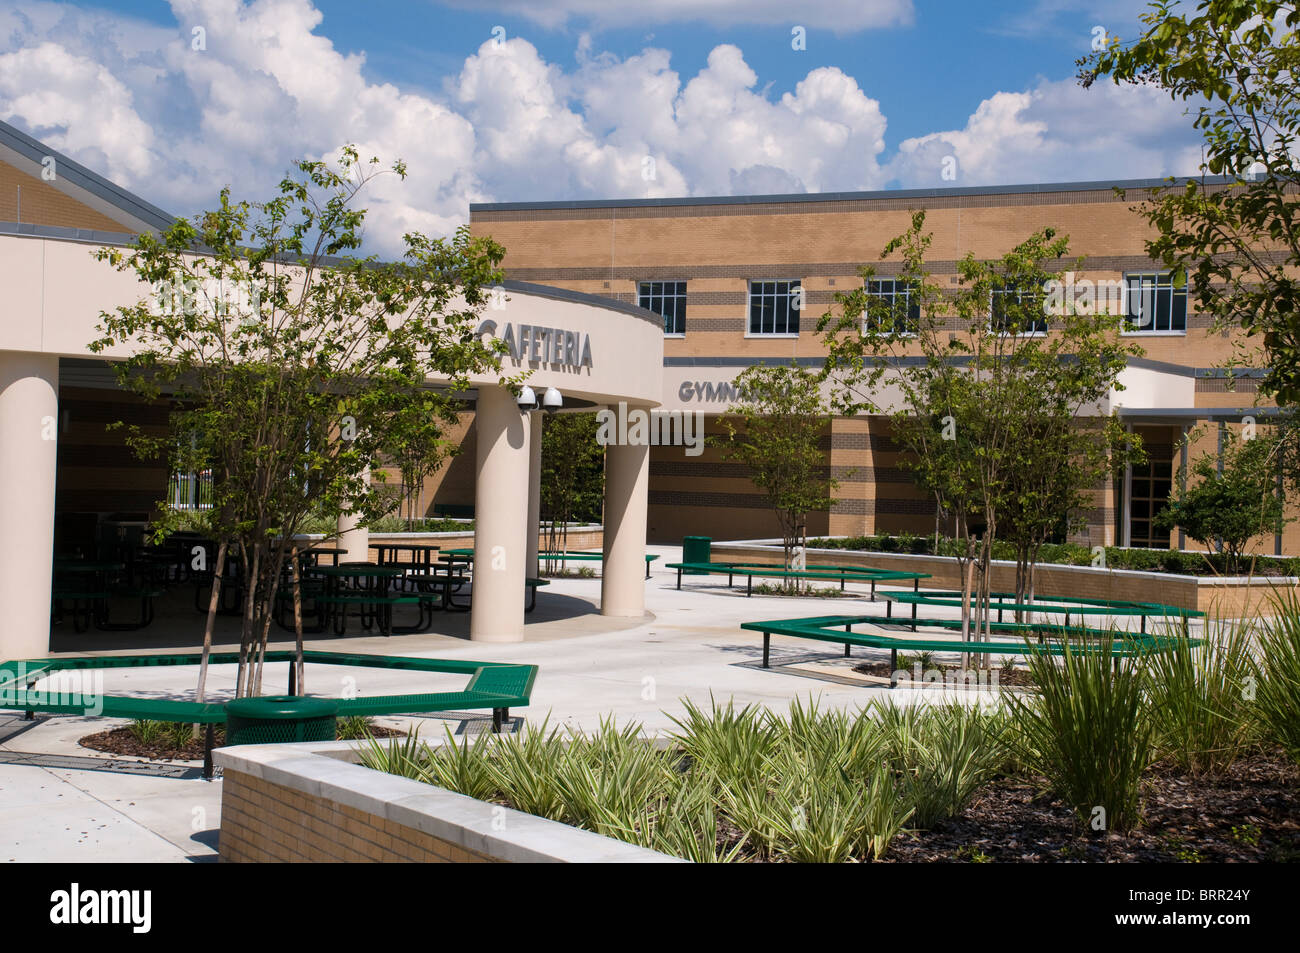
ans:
(527, 400)
(552, 400)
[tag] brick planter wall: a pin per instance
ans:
(264, 822)
(310, 803)
(1228, 597)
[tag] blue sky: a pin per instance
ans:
(930, 73)
(584, 98)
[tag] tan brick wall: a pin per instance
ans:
(586, 539)
(263, 822)
(42, 204)
(718, 249)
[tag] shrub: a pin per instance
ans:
(736, 783)
(147, 732)
(1087, 731)
(169, 734)
(352, 727)
(942, 755)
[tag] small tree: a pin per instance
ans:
(292, 364)
(573, 478)
(978, 391)
(419, 452)
(1226, 508)
(775, 432)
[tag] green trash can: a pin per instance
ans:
(697, 549)
(273, 719)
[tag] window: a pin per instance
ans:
(1153, 303)
(904, 313)
(1015, 310)
(1147, 497)
(774, 307)
(666, 298)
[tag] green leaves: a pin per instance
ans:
(1234, 62)
(1277, 675)
(1225, 509)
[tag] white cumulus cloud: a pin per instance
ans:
(140, 104)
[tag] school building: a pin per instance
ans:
(724, 274)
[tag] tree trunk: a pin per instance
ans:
(968, 584)
(252, 566)
(214, 602)
(298, 672)
(266, 612)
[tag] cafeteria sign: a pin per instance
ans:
(541, 345)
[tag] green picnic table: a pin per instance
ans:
(366, 586)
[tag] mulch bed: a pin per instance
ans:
(121, 741)
(1247, 815)
(1016, 678)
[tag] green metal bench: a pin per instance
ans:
(1059, 605)
(590, 557)
(843, 574)
(497, 686)
(820, 629)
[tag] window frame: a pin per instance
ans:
(1127, 328)
(792, 284)
(1035, 331)
(679, 299)
(911, 324)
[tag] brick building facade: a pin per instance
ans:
(712, 267)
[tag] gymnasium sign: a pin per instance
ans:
(542, 345)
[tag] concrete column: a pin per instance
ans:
(627, 482)
(354, 539)
(1126, 504)
(501, 494)
(534, 490)
(29, 415)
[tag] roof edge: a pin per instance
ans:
(78, 175)
(814, 197)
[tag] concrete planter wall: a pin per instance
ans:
(314, 803)
(1229, 597)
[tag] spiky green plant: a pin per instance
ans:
(1201, 718)
(942, 755)
(524, 767)
(725, 742)
(461, 766)
(352, 727)
(148, 732)
(732, 783)
(961, 752)
(1087, 731)
(1277, 674)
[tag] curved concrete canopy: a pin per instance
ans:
(593, 349)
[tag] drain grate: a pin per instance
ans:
(68, 762)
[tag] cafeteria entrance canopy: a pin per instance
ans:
(593, 351)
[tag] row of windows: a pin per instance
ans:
(1151, 299)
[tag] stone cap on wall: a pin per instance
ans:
(326, 770)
